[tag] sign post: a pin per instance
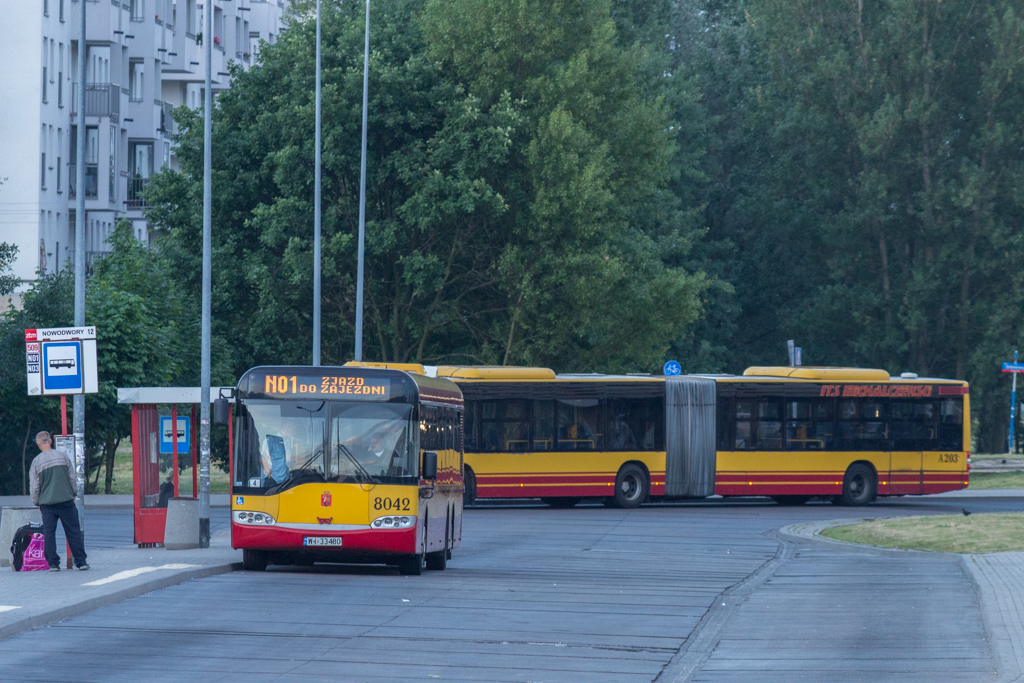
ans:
(1014, 368)
(61, 361)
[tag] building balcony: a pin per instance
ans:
(101, 99)
(137, 193)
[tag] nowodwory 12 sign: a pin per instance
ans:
(61, 360)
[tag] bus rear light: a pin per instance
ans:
(255, 518)
(968, 461)
(393, 522)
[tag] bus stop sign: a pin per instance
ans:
(61, 360)
(1013, 367)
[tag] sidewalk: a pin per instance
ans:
(997, 578)
(32, 599)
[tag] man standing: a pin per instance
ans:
(52, 481)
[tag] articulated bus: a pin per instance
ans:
(346, 464)
(847, 434)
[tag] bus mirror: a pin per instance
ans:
(220, 411)
(429, 465)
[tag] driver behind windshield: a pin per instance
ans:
(375, 454)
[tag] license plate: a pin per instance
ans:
(322, 540)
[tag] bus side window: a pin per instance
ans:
(809, 424)
(744, 420)
(543, 426)
(469, 434)
(769, 424)
(951, 424)
(912, 426)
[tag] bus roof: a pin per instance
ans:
(493, 372)
(829, 374)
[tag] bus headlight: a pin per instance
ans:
(393, 522)
(255, 518)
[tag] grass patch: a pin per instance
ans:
(997, 480)
(979, 533)
(994, 456)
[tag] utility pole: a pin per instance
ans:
(78, 404)
(316, 207)
(204, 370)
(362, 196)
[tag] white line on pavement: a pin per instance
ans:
(8, 608)
(130, 573)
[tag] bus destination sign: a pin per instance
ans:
(325, 386)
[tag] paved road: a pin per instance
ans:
(694, 592)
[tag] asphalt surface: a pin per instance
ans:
(690, 592)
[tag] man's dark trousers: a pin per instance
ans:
(67, 513)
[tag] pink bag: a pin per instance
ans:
(34, 559)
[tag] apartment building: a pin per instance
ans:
(143, 59)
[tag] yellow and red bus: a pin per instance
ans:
(791, 433)
(346, 464)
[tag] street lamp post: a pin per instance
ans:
(204, 370)
(362, 195)
(316, 206)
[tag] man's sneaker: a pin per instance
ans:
(83, 567)
(54, 569)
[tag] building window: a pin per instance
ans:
(136, 76)
(92, 158)
(61, 9)
(46, 8)
(60, 148)
(111, 188)
(42, 170)
(140, 168)
(60, 77)
(137, 11)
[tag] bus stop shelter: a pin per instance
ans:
(162, 441)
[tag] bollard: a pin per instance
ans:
(12, 519)
(182, 529)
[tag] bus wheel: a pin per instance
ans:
(561, 502)
(411, 564)
(858, 485)
(630, 486)
(438, 560)
(469, 495)
(254, 560)
(791, 500)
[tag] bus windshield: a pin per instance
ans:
(286, 443)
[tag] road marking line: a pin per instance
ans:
(8, 608)
(130, 573)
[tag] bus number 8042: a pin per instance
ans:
(398, 504)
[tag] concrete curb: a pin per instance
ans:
(809, 533)
(156, 583)
(1005, 639)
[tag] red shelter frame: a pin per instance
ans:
(150, 511)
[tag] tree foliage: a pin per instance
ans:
(868, 176)
(510, 219)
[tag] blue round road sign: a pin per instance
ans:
(673, 368)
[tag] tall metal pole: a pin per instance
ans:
(316, 207)
(1013, 404)
(362, 196)
(204, 370)
(78, 405)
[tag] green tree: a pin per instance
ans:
(589, 270)
(499, 229)
(48, 303)
(138, 323)
(868, 159)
